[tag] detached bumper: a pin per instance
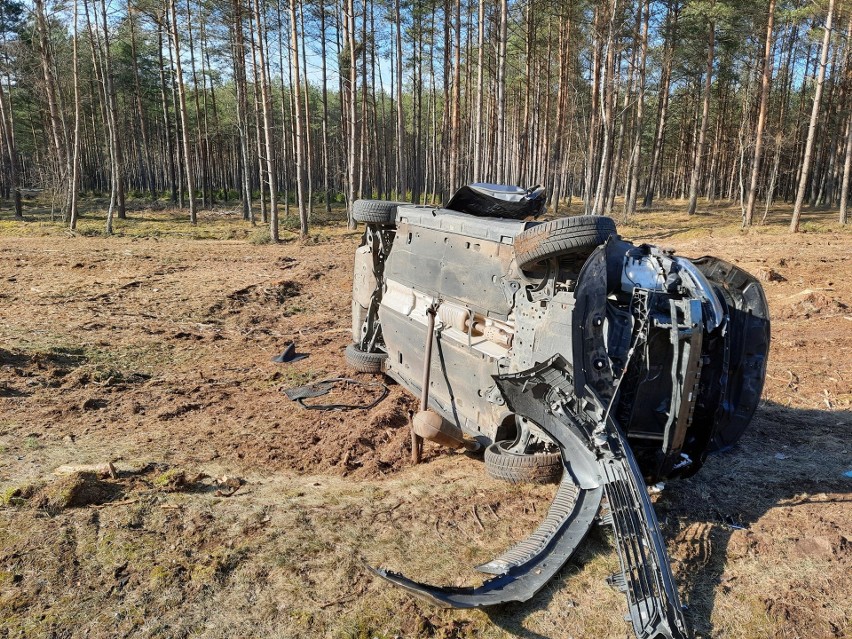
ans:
(598, 464)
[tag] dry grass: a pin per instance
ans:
(223, 222)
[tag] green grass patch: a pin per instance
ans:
(32, 443)
(260, 236)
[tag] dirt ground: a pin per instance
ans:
(232, 512)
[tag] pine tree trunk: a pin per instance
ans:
(75, 166)
(500, 141)
(242, 110)
(555, 167)
(11, 151)
(659, 135)
(102, 75)
(145, 160)
(266, 106)
(716, 146)
(309, 165)
(698, 155)
(207, 146)
(781, 126)
(167, 134)
(300, 125)
(847, 169)
(184, 118)
(117, 196)
(456, 106)
(591, 158)
(57, 126)
(608, 116)
(401, 185)
(325, 155)
(352, 124)
(636, 153)
(847, 163)
(288, 116)
(618, 153)
(363, 138)
(809, 144)
(200, 134)
(417, 116)
(823, 147)
(480, 87)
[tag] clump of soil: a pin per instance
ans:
(19, 495)
(175, 480)
(75, 490)
(363, 443)
(768, 274)
(810, 303)
(265, 293)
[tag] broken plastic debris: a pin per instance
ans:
(781, 456)
(848, 474)
(289, 355)
(317, 389)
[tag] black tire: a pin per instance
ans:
(537, 468)
(362, 361)
(375, 211)
(562, 237)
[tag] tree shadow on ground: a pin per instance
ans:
(785, 458)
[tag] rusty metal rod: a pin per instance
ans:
(427, 357)
(416, 440)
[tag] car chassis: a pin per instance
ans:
(560, 341)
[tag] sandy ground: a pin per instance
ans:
(153, 351)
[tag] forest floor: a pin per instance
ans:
(152, 350)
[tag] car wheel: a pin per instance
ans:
(363, 361)
(516, 468)
(561, 237)
(375, 211)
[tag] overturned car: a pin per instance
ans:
(565, 351)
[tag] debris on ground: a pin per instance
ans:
(289, 355)
(769, 275)
(105, 469)
(75, 490)
(175, 480)
(228, 485)
(346, 393)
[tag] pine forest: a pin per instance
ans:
(286, 107)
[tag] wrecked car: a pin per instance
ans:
(565, 353)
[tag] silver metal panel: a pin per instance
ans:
(452, 267)
(458, 374)
(484, 228)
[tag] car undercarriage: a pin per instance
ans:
(568, 354)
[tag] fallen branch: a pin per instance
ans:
(124, 502)
(105, 469)
(478, 520)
